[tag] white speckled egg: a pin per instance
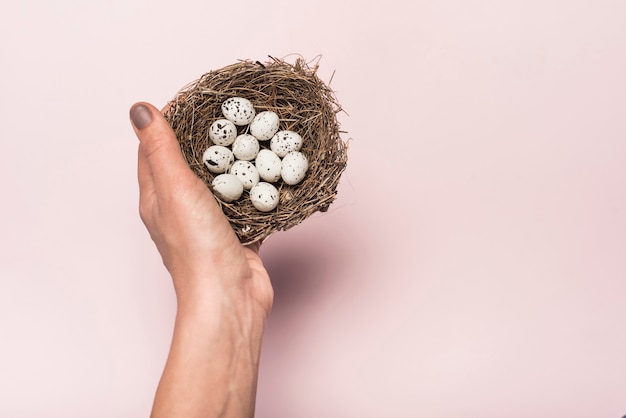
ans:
(284, 142)
(238, 110)
(222, 132)
(246, 172)
(227, 187)
(295, 165)
(264, 196)
(218, 159)
(245, 147)
(264, 125)
(268, 164)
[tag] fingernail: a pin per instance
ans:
(140, 115)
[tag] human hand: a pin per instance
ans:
(223, 291)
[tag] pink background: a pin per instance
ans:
(473, 265)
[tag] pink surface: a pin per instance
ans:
(473, 265)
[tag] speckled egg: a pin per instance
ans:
(245, 147)
(269, 165)
(218, 159)
(246, 172)
(227, 187)
(264, 196)
(238, 110)
(222, 132)
(285, 141)
(294, 167)
(264, 125)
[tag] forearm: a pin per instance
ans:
(212, 367)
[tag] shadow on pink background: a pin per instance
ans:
(473, 264)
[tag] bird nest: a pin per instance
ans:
(303, 103)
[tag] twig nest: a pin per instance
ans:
(278, 111)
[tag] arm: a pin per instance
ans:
(223, 291)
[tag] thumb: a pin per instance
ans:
(158, 147)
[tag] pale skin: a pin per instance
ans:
(223, 292)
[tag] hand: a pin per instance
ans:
(223, 291)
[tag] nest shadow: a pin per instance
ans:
(299, 273)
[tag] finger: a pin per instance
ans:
(144, 174)
(164, 163)
(146, 186)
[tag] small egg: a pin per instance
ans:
(238, 110)
(295, 165)
(222, 132)
(264, 125)
(245, 147)
(284, 142)
(264, 196)
(227, 187)
(218, 159)
(246, 172)
(268, 164)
